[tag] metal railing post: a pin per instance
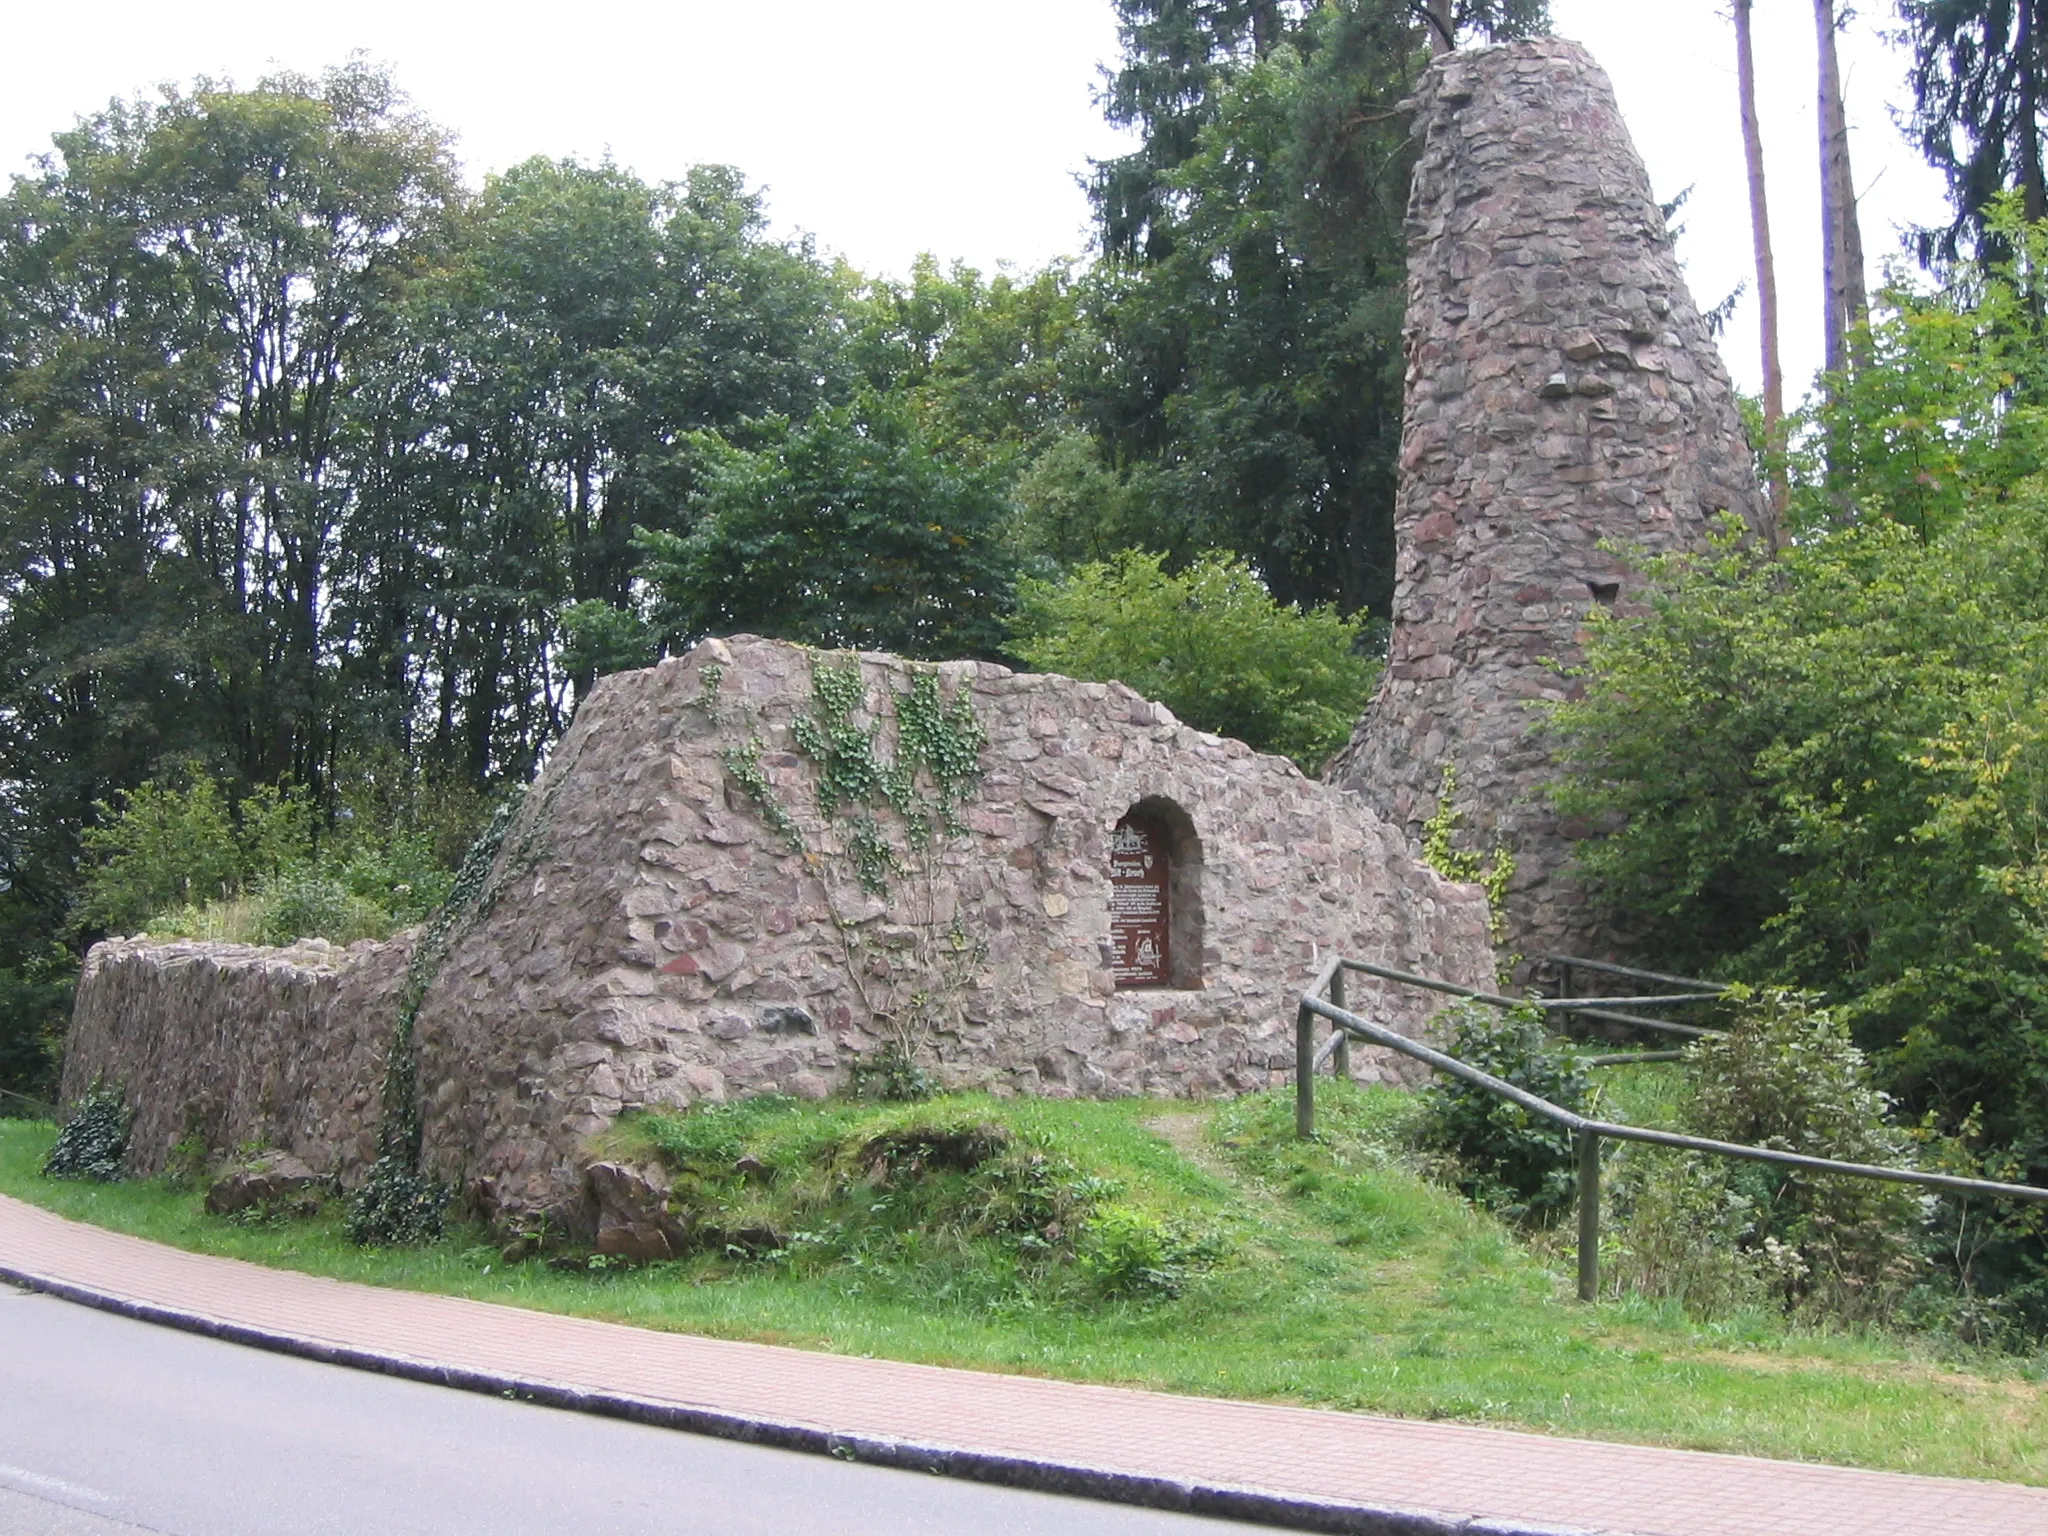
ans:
(1340, 1058)
(1564, 989)
(1305, 1075)
(1589, 1214)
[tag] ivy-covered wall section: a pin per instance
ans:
(756, 868)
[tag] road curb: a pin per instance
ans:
(1178, 1495)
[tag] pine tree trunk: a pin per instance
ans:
(2028, 128)
(1443, 26)
(1841, 230)
(1766, 273)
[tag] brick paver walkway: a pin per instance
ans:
(1458, 1471)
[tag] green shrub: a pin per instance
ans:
(1787, 1076)
(892, 1074)
(1677, 1228)
(1132, 1254)
(95, 1139)
(181, 862)
(304, 901)
(1505, 1157)
(397, 1206)
(1210, 643)
(164, 846)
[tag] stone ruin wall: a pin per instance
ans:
(230, 1044)
(654, 942)
(1562, 393)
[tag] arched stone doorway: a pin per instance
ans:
(1155, 875)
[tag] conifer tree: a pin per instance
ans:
(1977, 82)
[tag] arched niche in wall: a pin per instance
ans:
(1155, 897)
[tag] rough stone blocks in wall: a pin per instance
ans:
(1565, 408)
(678, 920)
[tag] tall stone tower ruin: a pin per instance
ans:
(1563, 393)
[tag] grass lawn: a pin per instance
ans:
(1188, 1248)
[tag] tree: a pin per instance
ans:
(1766, 268)
(845, 531)
(305, 449)
(190, 290)
(588, 325)
(1846, 299)
(1250, 301)
(1447, 21)
(1211, 644)
(985, 364)
(1829, 769)
(1977, 100)
(1943, 415)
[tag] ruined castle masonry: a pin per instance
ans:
(1563, 394)
(757, 869)
(1114, 903)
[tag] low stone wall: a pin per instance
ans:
(234, 1045)
(674, 919)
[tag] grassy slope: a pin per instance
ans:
(1346, 1281)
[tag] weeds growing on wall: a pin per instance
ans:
(1491, 872)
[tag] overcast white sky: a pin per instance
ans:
(954, 126)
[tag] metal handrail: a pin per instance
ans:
(43, 1111)
(1596, 1008)
(1586, 1132)
(1608, 1009)
(1631, 973)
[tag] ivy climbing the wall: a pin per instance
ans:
(889, 806)
(1491, 874)
(400, 1203)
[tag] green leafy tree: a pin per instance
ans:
(541, 407)
(984, 364)
(1947, 410)
(35, 1007)
(847, 530)
(190, 289)
(1822, 771)
(1826, 770)
(1211, 643)
(599, 638)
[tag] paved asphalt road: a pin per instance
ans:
(110, 1426)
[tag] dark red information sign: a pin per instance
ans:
(1137, 901)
